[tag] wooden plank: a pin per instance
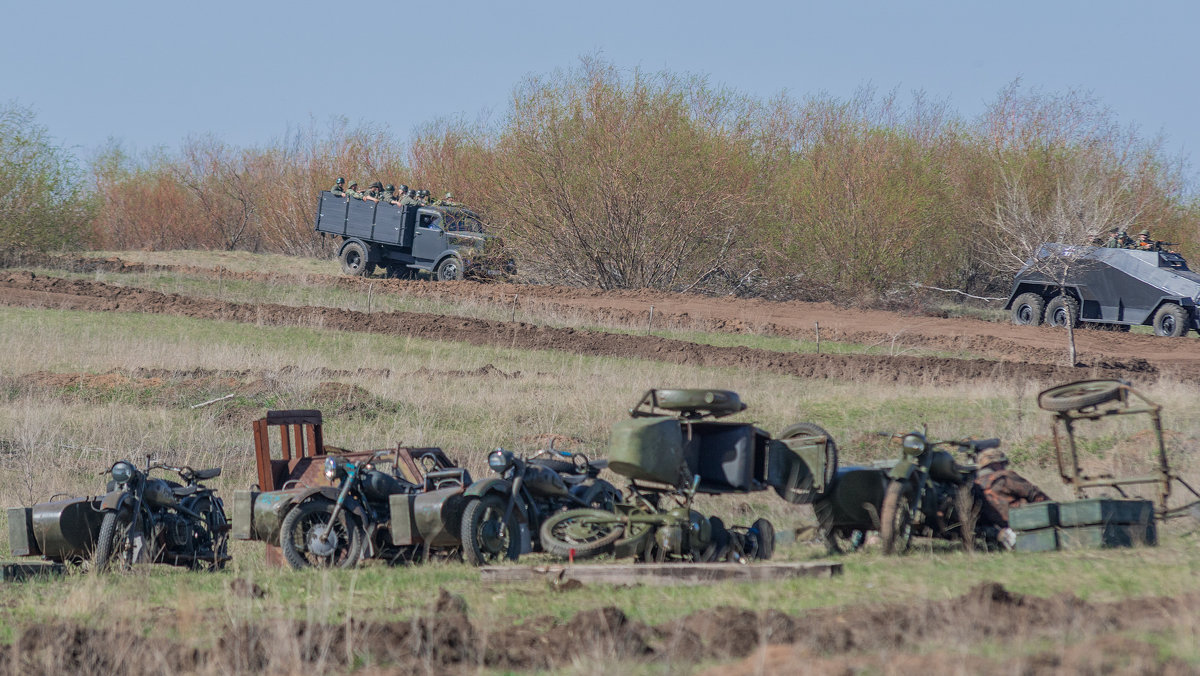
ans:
(19, 572)
(662, 573)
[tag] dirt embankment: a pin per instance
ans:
(18, 288)
(897, 331)
(915, 638)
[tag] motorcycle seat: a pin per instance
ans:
(202, 474)
(184, 491)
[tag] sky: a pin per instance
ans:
(151, 74)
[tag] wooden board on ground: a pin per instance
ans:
(19, 572)
(661, 573)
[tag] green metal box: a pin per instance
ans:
(649, 449)
(1041, 540)
(243, 514)
(1108, 536)
(1105, 511)
(1033, 516)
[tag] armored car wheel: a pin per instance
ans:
(895, 520)
(1062, 309)
(354, 261)
(1079, 395)
(1171, 320)
(589, 532)
(300, 537)
(1027, 309)
(487, 537)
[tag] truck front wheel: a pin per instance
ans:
(449, 270)
(1027, 309)
(354, 261)
(1170, 320)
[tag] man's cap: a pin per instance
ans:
(992, 455)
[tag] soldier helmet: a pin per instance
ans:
(353, 184)
(992, 455)
(412, 193)
(403, 188)
(449, 195)
(340, 180)
(390, 187)
(1144, 233)
(377, 184)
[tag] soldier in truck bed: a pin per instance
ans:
(338, 188)
(1003, 487)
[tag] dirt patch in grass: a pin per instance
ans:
(931, 637)
(26, 289)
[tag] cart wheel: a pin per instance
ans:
(1080, 394)
(589, 532)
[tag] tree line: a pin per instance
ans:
(610, 179)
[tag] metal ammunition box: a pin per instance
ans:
(1033, 516)
(1107, 536)
(1100, 511)
(1041, 540)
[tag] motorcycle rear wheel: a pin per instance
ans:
(895, 520)
(302, 524)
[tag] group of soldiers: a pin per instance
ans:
(378, 192)
(1118, 239)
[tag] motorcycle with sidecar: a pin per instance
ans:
(672, 448)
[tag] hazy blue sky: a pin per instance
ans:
(151, 73)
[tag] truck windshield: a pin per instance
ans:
(458, 221)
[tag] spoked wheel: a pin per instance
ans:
(1080, 394)
(305, 544)
(589, 532)
(487, 537)
(895, 527)
(119, 545)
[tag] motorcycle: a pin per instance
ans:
(524, 493)
(355, 517)
(152, 520)
(930, 493)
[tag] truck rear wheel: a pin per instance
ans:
(1170, 320)
(1062, 309)
(354, 261)
(1027, 309)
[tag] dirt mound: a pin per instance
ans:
(26, 289)
(918, 637)
(485, 371)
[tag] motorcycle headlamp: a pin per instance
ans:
(334, 467)
(914, 444)
(500, 460)
(121, 471)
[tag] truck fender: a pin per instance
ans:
(114, 500)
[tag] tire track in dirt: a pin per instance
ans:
(27, 289)
(790, 319)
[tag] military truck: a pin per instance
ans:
(446, 242)
(1106, 288)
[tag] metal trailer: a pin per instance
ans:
(1110, 288)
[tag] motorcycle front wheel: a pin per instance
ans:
(117, 547)
(895, 520)
(300, 537)
(487, 537)
(588, 532)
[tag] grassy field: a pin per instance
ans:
(81, 390)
